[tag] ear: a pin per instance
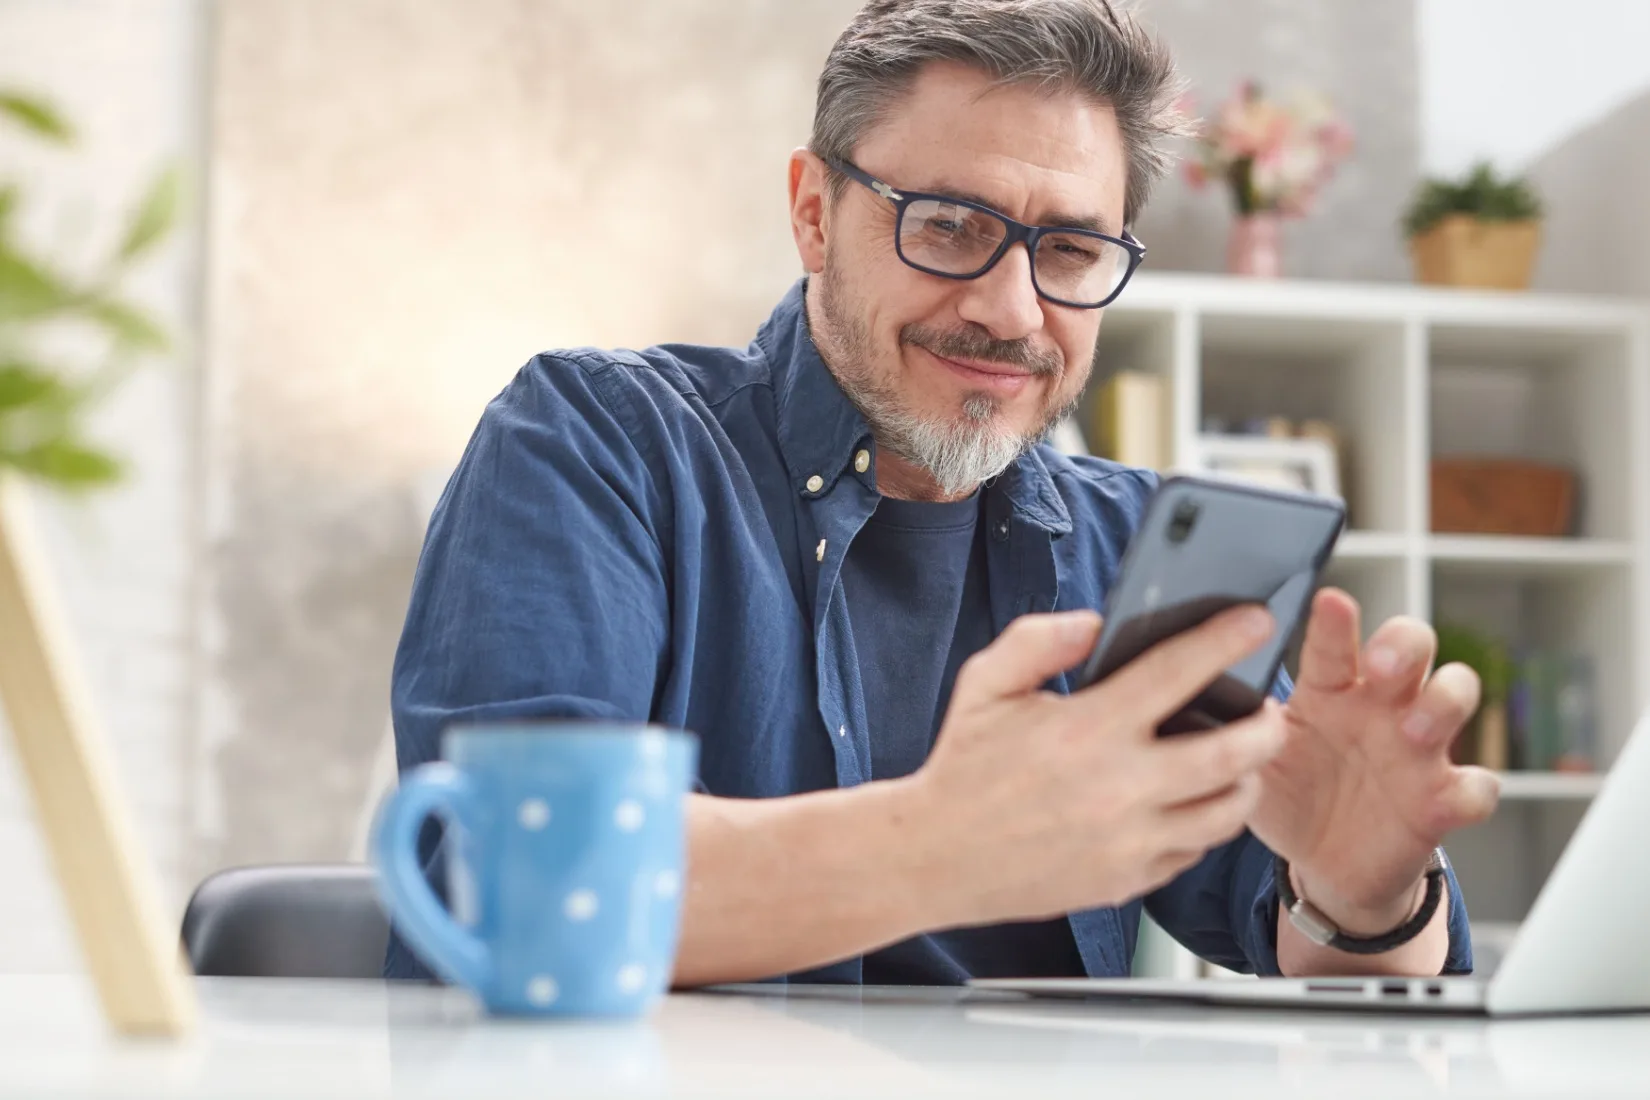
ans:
(808, 203)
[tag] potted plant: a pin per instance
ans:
(1273, 156)
(1480, 231)
(1484, 741)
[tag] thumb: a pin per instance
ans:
(1029, 652)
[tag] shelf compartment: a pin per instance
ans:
(1557, 398)
(1346, 372)
(1583, 609)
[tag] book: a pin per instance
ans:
(1130, 420)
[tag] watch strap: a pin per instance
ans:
(1318, 928)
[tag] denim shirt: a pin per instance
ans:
(659, 535)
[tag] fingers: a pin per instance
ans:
(1213, 819)
(1170, 674)
(1032, 650)
(1329, 651)
(1200, 765)
(1449, 699)
(1397, 658)
(1469, 799)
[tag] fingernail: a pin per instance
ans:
(1383, 661)
(1255, 622)
(1075, 625)
(1416, 726)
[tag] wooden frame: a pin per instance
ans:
(131, 951)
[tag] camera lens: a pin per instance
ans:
(1181, 523)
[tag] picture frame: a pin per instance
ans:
(1300, 464)
(107, 878)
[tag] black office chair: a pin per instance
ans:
(287, 921)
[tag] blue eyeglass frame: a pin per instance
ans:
(1017, 232)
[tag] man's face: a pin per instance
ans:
(958, 377)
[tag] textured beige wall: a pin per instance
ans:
(411, 199)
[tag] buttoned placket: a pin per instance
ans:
(835, 505)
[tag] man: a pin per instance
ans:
(841, 556)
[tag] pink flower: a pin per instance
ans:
(1291, 147)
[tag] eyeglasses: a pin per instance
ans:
(957, 239)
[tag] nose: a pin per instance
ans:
(1004, 300)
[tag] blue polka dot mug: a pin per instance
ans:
(565, 855)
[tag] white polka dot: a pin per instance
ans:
(666, 884)
(534, 814)
(653, 746)
(542, 990)
(632, 977)
(629, 815)
(580, 905)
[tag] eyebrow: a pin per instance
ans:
(1056, 220)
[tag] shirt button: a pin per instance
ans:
(1002, 529)
(862, 461)
(815, 483)
(842, 731)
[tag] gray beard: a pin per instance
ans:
(958, 453)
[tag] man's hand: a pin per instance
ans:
(1034, 804)
(1031, 805)
(1364, 788)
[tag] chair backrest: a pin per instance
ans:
(287, 921)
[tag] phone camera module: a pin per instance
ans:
(1182, 521)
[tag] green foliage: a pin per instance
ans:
(1481, 194)
(1481, 652)
(35, 115)
(42, 404)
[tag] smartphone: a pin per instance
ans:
(1205, 545)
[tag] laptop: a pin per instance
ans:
(1585, 946)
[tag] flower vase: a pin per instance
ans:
(1255, 247)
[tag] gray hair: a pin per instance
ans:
(1089, 46)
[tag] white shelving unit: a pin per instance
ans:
(1406, 373)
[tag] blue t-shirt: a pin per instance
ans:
(919, 604)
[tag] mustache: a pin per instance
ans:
(973, 342)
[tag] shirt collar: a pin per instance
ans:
(820, 430)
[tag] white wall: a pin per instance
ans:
(1509, 79)
(124, 563)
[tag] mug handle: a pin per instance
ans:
(454, 952)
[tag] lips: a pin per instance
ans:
(1003, 378)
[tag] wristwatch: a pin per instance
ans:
(1312, 923)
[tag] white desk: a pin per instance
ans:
(309, 1039)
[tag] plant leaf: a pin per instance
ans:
(22, 384)
(129, 327)
(28, 290)
(68, 464)
(153, 217)
(8, 203)
(36, 115)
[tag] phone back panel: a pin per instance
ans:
(1203, 546)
